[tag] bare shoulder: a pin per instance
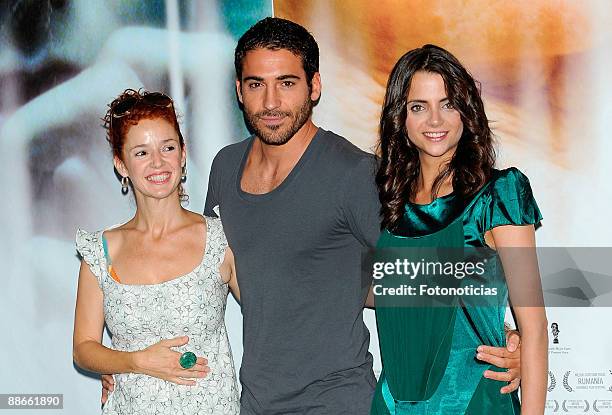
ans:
(195, 221)
(195, 227)
(117, 235)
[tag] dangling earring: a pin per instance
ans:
(124, 185)
(184, 174)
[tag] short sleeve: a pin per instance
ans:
(88, 247)
(511, 201)
(212, 198)
(360, 202)
(216, 235)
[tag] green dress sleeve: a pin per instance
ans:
(511, 202)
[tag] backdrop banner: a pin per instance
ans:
(61, 63)
(544, 69)
(544, 73)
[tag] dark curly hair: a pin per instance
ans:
(471, 165)
(139, 108)
(274, 33)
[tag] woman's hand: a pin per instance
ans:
(160, 361)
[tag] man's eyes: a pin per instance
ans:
(284, 84)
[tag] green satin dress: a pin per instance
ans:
(428, 353)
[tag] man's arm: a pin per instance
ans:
(369, 303)
(362, 210)
(508, 357)
(361, 204)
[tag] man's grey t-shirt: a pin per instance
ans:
(298, 256)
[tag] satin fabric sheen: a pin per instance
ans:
(428, 354)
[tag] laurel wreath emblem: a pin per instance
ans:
(586, 409)
(565, 381)
(553, 381)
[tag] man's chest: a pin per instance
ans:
(289, 223)
(258, 182)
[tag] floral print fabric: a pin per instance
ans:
(138, 316)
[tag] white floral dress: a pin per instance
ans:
(138, 316)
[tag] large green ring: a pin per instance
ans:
(188, 360)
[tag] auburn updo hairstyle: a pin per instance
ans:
(132, 106)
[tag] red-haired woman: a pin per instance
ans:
(164, 274)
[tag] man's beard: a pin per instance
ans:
(278, 135)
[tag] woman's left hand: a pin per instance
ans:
(508, 357)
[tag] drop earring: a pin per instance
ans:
(124, 185)
(184, 174)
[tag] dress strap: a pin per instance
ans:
(109, 263)
(216, 235)
(105, 247)
(216, 241)
(89, 248)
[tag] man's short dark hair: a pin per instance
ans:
(274, 33)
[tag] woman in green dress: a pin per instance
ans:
(438, 188)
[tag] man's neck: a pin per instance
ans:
(267, 166)
(280, 157)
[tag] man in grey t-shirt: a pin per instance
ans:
(299, 205)
(297, 249)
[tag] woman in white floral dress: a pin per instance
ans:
(163, 275)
